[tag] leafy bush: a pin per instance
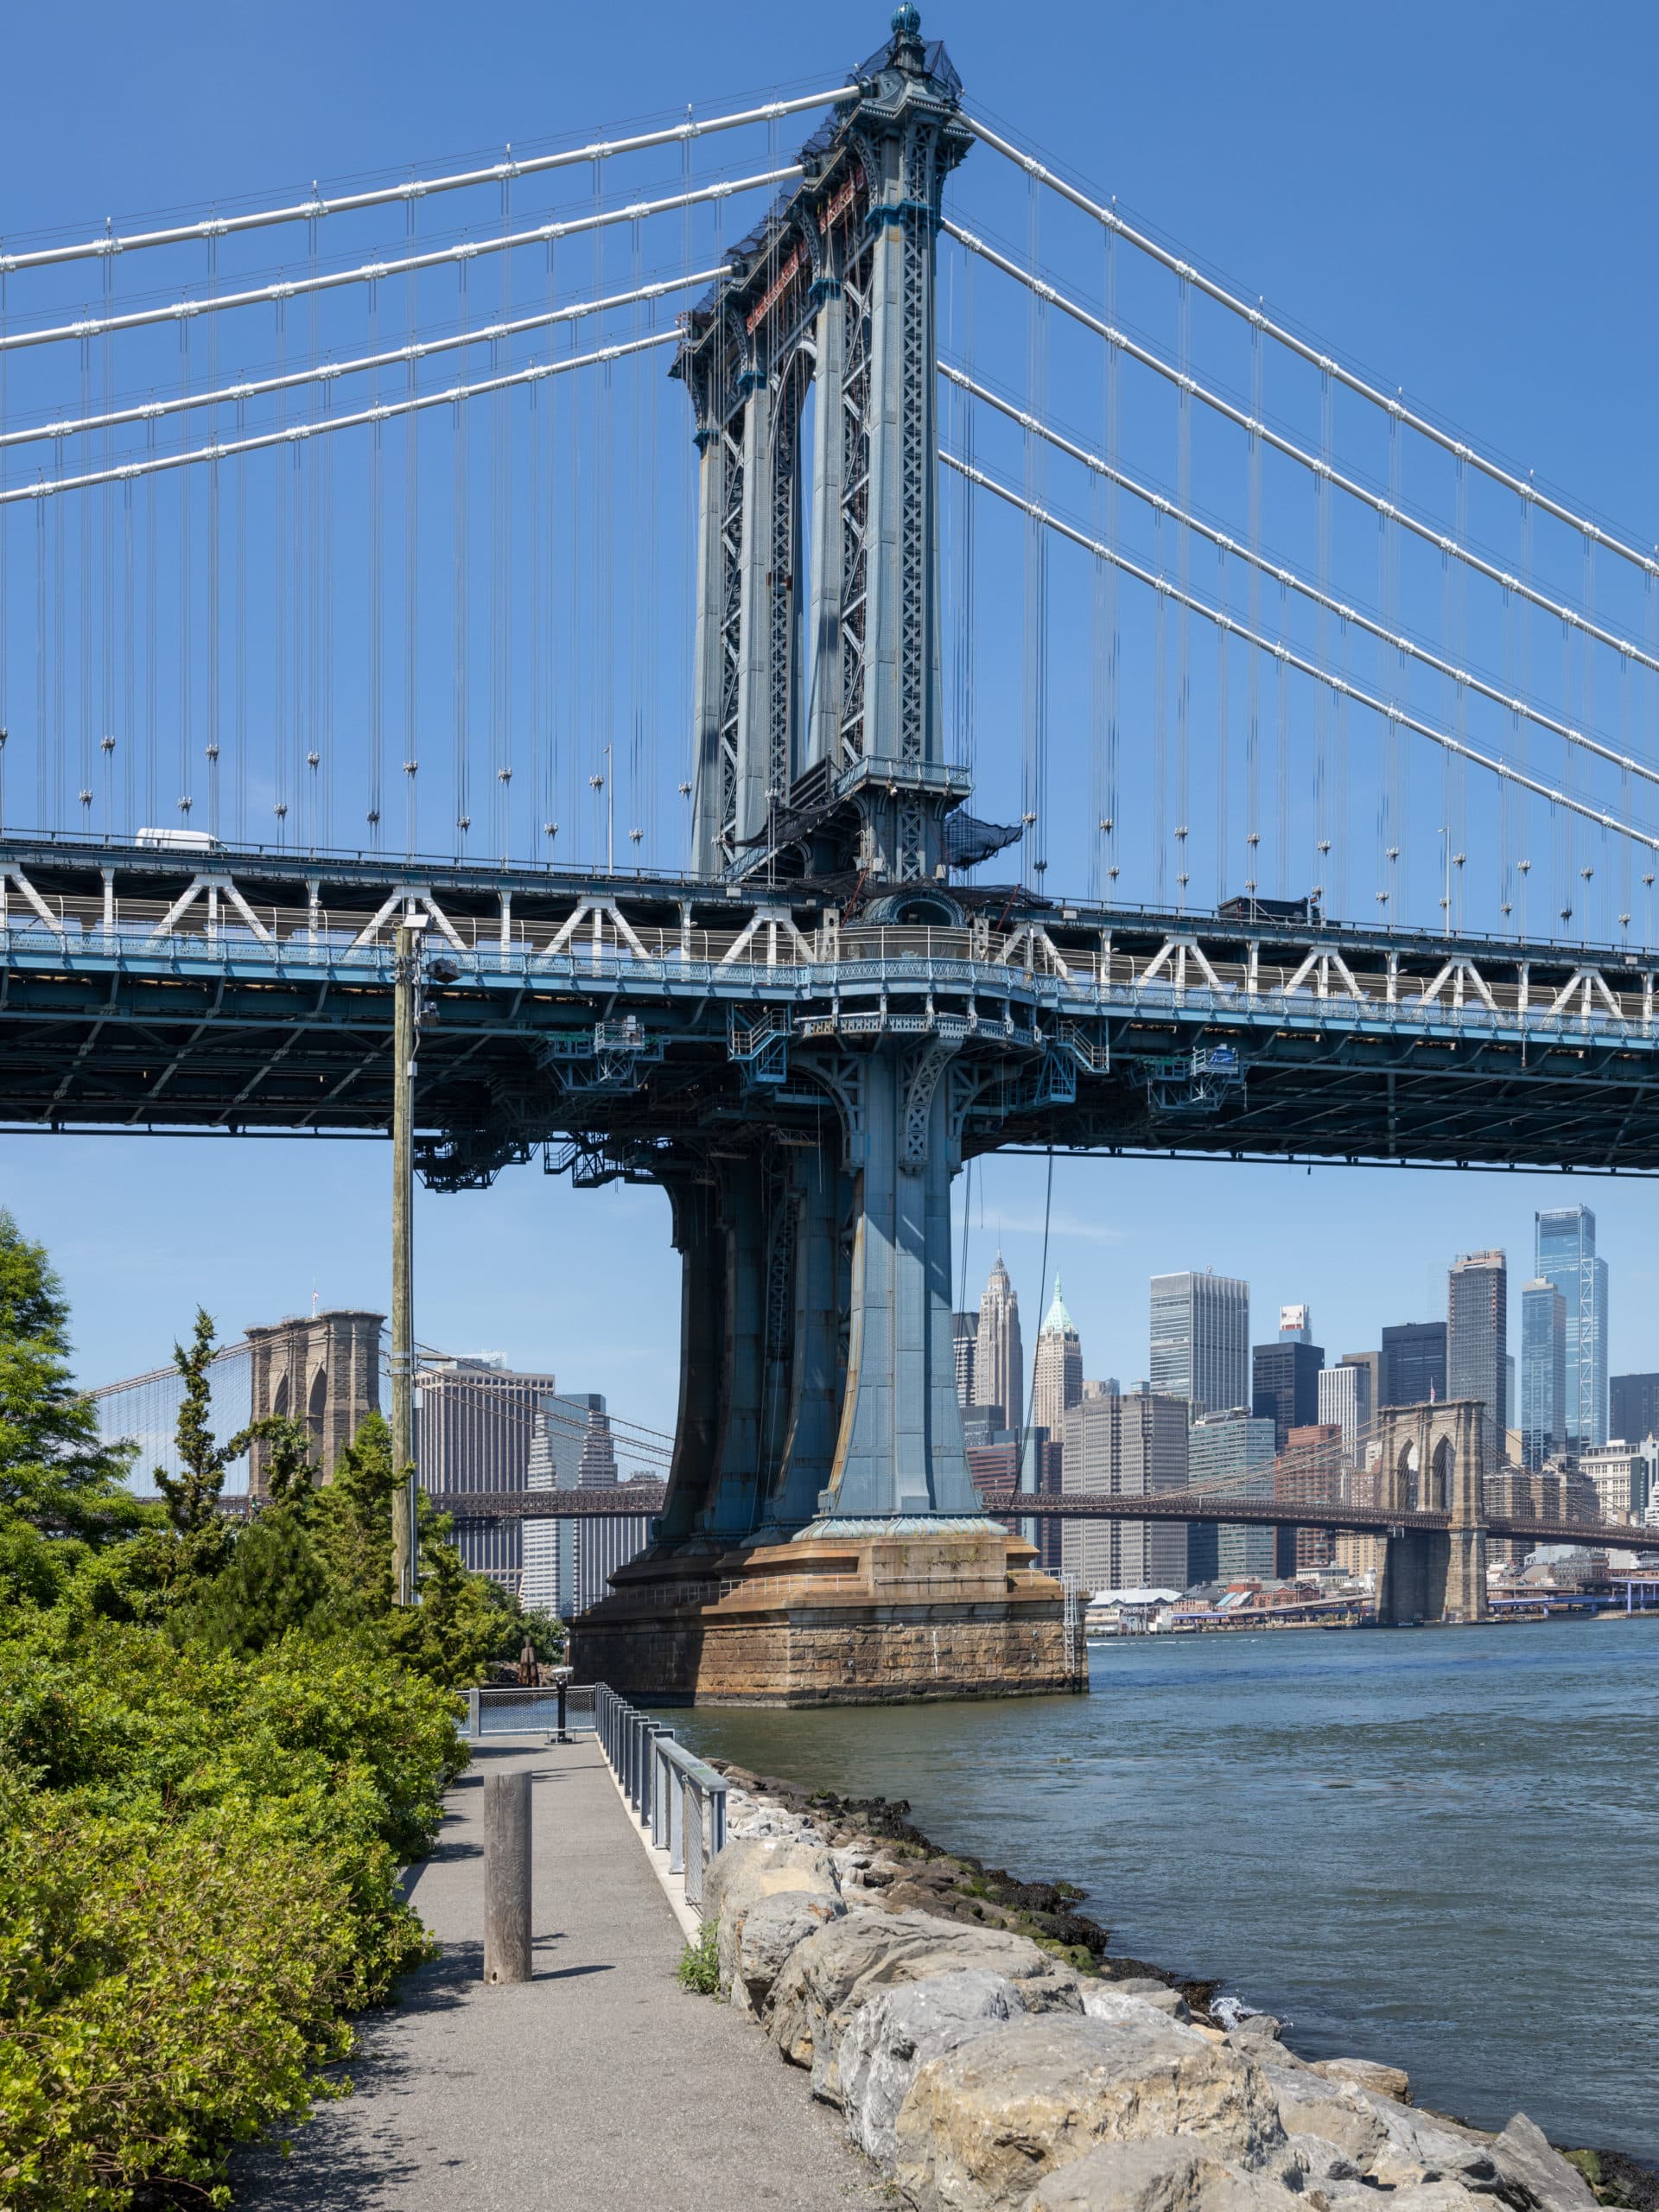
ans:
(198, 1858)
(216, 1750)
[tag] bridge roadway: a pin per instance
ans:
(618, 1019)
(608, 1502)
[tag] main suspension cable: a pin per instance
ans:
(1288, 660)
(1288, 580)
(296, 434)
(308, 211)
(369, 272)
(1265, 434)
(1314, 356)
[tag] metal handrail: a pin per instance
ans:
(673, 1795)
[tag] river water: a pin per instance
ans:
(1436, 1848)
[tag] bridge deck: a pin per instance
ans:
(608, 1503)
(253, 992)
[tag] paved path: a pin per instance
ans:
(599, 2086)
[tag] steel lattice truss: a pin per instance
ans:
(610, 1019)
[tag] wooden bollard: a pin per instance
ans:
(506, 1877)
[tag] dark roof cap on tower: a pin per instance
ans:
(906, 51)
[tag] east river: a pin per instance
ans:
(1438, 1848)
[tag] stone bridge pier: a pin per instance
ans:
(1433, 1461)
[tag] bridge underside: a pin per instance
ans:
(803, 1082)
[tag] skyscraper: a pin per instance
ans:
(1567, 1257)
(1055, 1369)
(473, 1422)
(1201, 1340)
(964, 1337)
(1544, 1373)
(1125, 1445)
(999, 1355)
(1346, 1395)
(1633, 1408)
(1478, 1335)
(1413, 1363)
(1285, 1384)
(1236, 1448)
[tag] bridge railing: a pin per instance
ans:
(681, 1802)
(1597, 999)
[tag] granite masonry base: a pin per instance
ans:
(847, 1613)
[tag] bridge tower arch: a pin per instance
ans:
(1433, 1461)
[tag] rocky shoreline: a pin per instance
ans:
(990, 2052)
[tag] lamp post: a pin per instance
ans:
(405, 997)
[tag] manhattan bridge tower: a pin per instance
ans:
(820, 1430)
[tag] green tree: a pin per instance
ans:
(57, 1475)
(193, 1494)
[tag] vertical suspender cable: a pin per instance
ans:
(5, 558)
(966, 635)
(377, 590)
(1253, 726)
(284, 473)
(241, 642)
(130, 663)
(186, 586)
(42, 662)
(325, 586)
(1650, 694)
(1322, 698)
(547, 787)
(151, 579)
(107, 732)
(213, 647)
(460, 533)
(411, 565)
(1034, 656)
(1183, 618)
(60, 620)
(1114, 796)
(540, 397)
(212, 554)
(83, 611)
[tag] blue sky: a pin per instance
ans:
(1459, 199)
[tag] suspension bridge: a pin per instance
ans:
(362, 569)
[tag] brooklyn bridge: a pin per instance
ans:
(395, 650)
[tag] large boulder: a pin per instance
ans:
(827, 1978)
(753, 1867)
(764, 1935)
(1367, 2074)
(1167, 2174)
(983, 2125)
(1393, 2146)
(893, 2035)
(1106, 2001)
(1531, 2174)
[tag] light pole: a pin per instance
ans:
(405, 996)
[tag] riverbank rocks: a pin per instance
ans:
(1367, 2074)
(771, 1928)
(750, 1870)
(833, 1971)
(1531, 2174)
(982, 2126)
(1168, 2174)
(892, 2036)
(985, 2074)
(1105, 2000)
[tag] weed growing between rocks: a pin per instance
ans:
(699, 1967)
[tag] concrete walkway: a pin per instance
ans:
(598, 2085)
